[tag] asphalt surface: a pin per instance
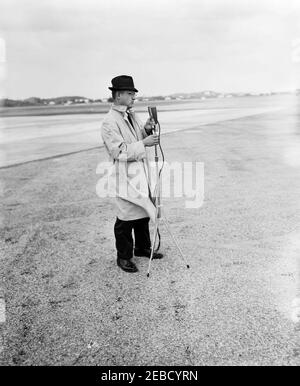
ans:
(28, 138)
(67, 303)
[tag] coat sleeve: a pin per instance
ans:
(117, 147)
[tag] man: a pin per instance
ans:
(126, 140)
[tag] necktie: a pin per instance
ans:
(130, 119)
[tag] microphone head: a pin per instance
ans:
(153, 113)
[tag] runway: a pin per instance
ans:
(29, 138)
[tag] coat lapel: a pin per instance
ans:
(137, 130)
(125, 128)
(132, 129)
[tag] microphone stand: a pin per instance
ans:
(157, 199)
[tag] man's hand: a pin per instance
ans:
(149, 125)
(151, 140)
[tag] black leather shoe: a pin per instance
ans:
(147, 253)
(126, 265)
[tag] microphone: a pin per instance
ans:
(153, 113)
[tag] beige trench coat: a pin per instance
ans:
(130, 164)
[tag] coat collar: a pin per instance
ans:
(122, 109)
(125, 111)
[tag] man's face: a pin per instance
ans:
(127, 98)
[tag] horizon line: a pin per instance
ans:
(159, 95)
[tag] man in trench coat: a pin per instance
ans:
(126, 139)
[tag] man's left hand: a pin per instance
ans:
(149, 125)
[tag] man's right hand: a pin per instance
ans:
(151, 140)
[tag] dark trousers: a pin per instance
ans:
(124, 241)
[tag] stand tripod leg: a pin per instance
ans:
(177, 245)
(157, 209)
(153, 245)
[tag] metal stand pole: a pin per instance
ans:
(153, 244)
(158, 216)
(157, 211)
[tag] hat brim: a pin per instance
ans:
(123, 89)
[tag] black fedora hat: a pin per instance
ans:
(122, 82)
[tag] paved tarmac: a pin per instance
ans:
(28, 138)
(67, 303)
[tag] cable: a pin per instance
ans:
(159, 176)
(161, 150)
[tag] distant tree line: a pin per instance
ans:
(34, 101)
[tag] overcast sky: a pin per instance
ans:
(75, 47)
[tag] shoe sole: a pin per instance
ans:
(125, 270)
